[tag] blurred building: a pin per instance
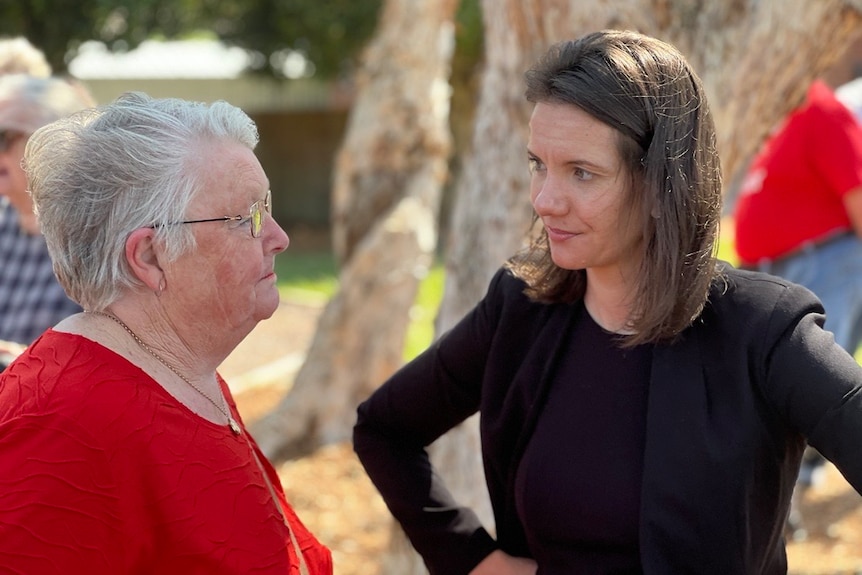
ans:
(301, 120)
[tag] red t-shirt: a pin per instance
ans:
(793, 192)
(102, 472)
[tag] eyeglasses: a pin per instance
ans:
(255, 216)
(8, 139)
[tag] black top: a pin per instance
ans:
(577, 490)
(731, 402)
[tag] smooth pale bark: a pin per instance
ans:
(755, 58)
(389, 176)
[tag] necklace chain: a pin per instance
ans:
(234, 426)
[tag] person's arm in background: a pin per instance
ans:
(853, 205)
(835, 141)
(9, 350)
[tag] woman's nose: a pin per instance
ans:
(276, 237)
(547, 199)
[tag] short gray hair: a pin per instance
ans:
(100, 174)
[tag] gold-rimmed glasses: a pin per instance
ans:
(255, 216)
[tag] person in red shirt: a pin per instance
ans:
(121, 448)
(799, 216)
(804, 188)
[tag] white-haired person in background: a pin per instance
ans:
(19, 56)
(31, 299)
(121, 448)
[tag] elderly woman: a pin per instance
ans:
(121, 449)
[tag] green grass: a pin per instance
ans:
(420, 332)
(726, 249)
(313, 276)
(306, 275)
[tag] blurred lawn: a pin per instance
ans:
(726, 249)
(312, 276)
(306, 274)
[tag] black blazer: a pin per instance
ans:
(730, 405)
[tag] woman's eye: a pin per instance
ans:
(535, 165)
(583, 174)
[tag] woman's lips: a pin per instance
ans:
(558, 235)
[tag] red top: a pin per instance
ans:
(794, 190)
(102, 471)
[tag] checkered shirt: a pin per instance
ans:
(31, 300)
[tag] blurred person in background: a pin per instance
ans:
(19, 56)
(31, 299)
(121, 447)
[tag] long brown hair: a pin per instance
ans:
(643, 88)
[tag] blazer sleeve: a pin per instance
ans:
(427, 397)
(813, 382)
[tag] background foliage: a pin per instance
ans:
(330, 33)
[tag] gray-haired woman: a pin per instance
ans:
(121, 449)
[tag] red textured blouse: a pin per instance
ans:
(102, 471)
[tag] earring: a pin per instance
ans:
(161, 288)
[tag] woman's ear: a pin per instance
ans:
(143, 259)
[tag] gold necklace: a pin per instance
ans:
(231, 422)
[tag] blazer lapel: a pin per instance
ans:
(691, 465)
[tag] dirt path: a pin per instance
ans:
(335, 499)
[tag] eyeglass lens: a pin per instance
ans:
(257, 214)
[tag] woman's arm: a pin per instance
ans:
(427, 397)
(853, 206)
(813, 382)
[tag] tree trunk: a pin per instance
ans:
(389, 175)
(752, 56)
(756, 59)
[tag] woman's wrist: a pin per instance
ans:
(500, 563)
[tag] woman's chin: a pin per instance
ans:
(267, 303)
(562, 261)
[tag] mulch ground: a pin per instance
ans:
(337, 502)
